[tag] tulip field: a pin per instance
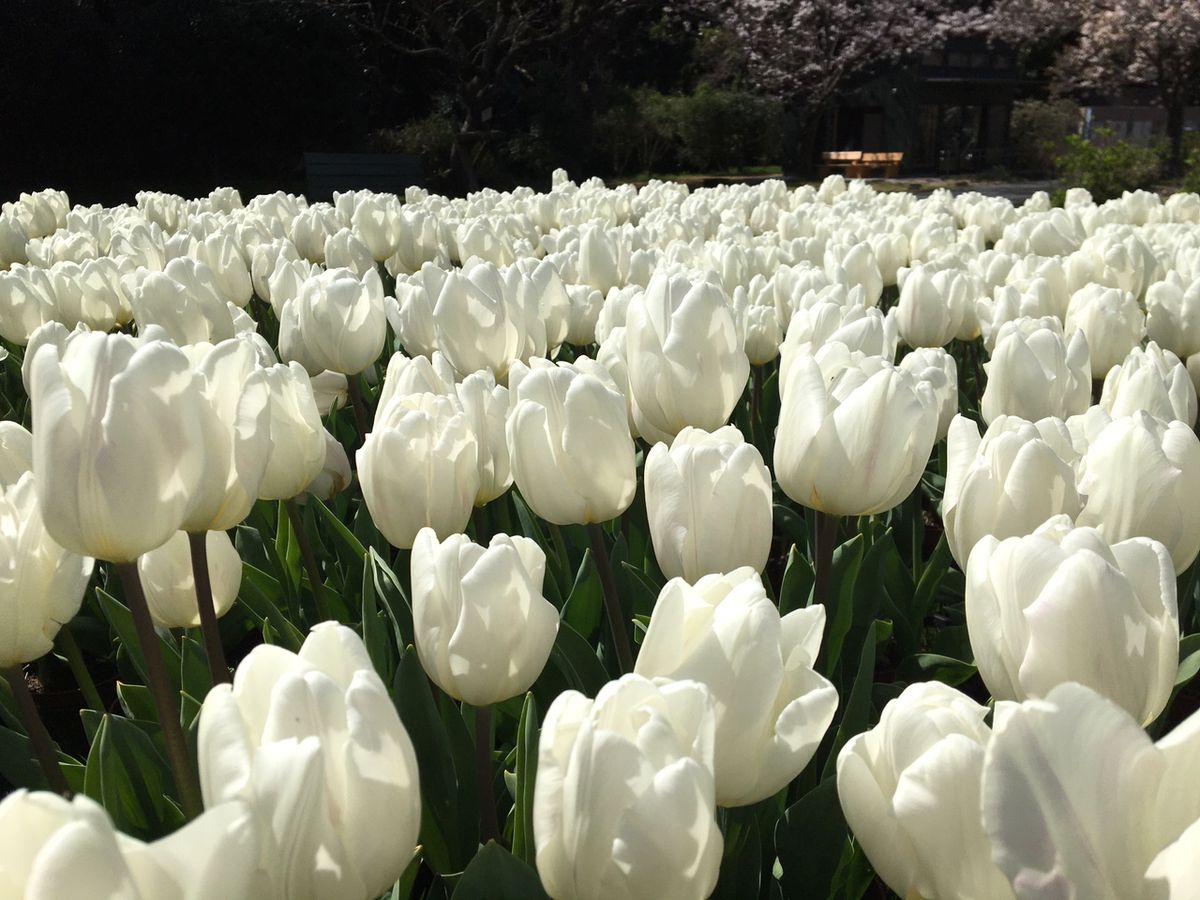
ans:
(742, 542)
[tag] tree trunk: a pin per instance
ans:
(1175, 112)
(464, 141)
(802, 127)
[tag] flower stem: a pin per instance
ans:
(489, 824)
(361, 419)
(310, 561)
(87, 687)
(756, 425)
(827, 526)
(198, 544)
(166, 704)
(43, 746)
(612, 603)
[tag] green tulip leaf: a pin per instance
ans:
(129, 777)
(495, 874)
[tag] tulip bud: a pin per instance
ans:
(419, 467)
(376, 220)
(312, 743)
(1173, 314)
(1007, 482)
(485, 405)
(708, 500)
(483, 629)
(937, 368)
(1112, 322)
(183, 300)
(337, 323)
(612, 771)
(310, 229)
(572, 456)
(860, 328)
(237, 435)
(117, 442)
(43, 584)
(346, 250)
(1153, 380)
(1034, 372)
(297, 452)
(763, 334)
(772, 708)
(220, 252)
(829, 429)
(16, 453)
(336, 476)
(910, 791)
(1055, 767)
(1062, 605)
(686, 361)
(933, 307)
(1139, 476)
(52, 848)
(477, 326)
(166, 574)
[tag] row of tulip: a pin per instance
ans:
(475, 495)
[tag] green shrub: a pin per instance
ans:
(431, 139)
(1039, 131)
(1106, 166)
(709, 130)
(1191, 163)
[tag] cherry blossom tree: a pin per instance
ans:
(805, 51)
(1113, 44)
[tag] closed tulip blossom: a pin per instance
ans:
(419, 467)
(772, 708)
(1035, 372)
(937, 368)
(860, 328)
(335, 476)
(166, 574)
(41, 584)
(687, 365)
(483, 629)
(237, 434)
(572, 456)
(1078, 801)
(16, 452)
(1154, 380)
(485, 405)
(1063, 605)
(117, 438)
(933, 307)
(51, 848)
(1112, 321)
(624, 800)
(478, 326)
(708, 501)
(1139, 475)
(1007, 482)
(336, 323)
(297, 452)
(910, 791)
(312, 743)
(855, 444)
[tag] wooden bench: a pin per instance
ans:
(834, 161)
(384, 172)
(886, 165)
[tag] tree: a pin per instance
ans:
(1114, 44)
(805, 51)
(477, 46)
